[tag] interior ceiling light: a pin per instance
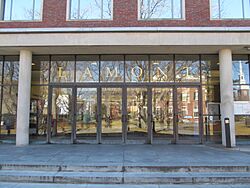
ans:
(247, 48)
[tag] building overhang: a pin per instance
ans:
(122, 42)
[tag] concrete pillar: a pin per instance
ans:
(226, 93)
(23, 104)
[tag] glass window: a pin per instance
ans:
(241, 93)
(242, 127)
(162, 68)
(90, 9)
(187, 68)
(22, 10)
(210, 69)
(11, 70)
(1, 68)
(112, 68)
(40, 70)
(240, 69)
(38, 110)
(136, 68)
(160, 9)
(230, 9)
(9, 107)
(62, 69)
(87, 68)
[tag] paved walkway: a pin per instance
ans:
(153, 155)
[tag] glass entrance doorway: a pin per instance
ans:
(137, 115)
(61, 115)
(188, 114)
(111, 115)
(124, 115)
(162, 108)
(86, 115)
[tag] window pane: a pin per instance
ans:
(241, 93)
(87, 68)
(9, 107)
(7, 10)
(187, 68)
(240, 70)
(210, 69)
(107, 9)
(62, 69)
(40, 70)
(242, 127)
(91, 9)
(38, 9)
(160, 9)
(11, 70)
(177, 9)
(74, 9)
(22, 10)
(136, 68)
(1, 68)
(38, 110)
(231, 9)
(247, 8)
(162, 68)
(112, 68)
(215, 9)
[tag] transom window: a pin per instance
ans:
(90, 9)
(230, 9)
(21, 10)
(160, 9)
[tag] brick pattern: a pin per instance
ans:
(125, 14)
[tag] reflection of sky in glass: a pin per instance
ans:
(230, 9)
(22, 10)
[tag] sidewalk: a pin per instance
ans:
(144, 155)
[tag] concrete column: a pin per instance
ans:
(226, 93)
(23, 105)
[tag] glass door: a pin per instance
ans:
(188, 119)
(137, 115)
(61, 115)
(86, 115)
(111, 108)
(162, 108)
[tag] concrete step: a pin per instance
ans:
(50, 185)
(124, 177)
(120, 168)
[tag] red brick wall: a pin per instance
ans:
(125, 15)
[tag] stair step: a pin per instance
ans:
(120, 168)
(49, 185)
(124, 177)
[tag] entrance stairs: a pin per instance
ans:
(123, 175)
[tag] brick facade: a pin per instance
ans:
(125, 14)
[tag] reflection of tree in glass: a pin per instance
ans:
(187, 71)
(10, 100)
(11, 69)
(137, 71)
(88, 10)
(160, 9)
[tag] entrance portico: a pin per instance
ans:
(106, 43)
